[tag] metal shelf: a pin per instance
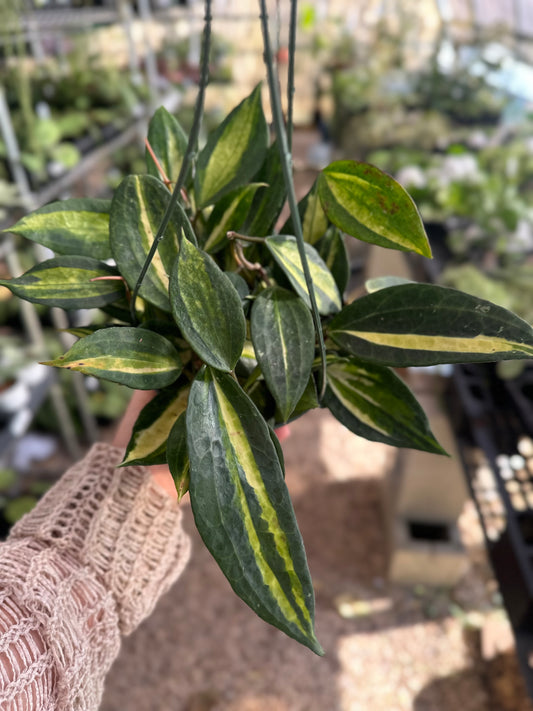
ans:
(52, 190)
(35, 25)
(17, 425)
(489, 427)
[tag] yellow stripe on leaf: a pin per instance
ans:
(476, 344)
(244, 456)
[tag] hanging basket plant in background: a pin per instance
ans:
(242, 328)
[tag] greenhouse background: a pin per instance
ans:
(423, 566)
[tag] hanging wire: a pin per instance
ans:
(188, 158)
(286, 164)
(290, 73)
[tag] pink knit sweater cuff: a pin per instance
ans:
(118, 523)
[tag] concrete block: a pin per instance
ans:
(428, 554)
(432, 487)
(386, 262)
(424, 486)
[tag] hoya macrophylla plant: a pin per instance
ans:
(227, 318)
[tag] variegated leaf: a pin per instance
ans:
(136, 357)
(366, 203)
(247, 364)
(69, 283)
(148, 441)
(136, 213)
(178, 455)
(207, 308)
(312, 215)
(284, 249)
(228, 214)
(422, 324)
(233, 152)
(77, 226)
(268, 202)
(168, 141)
(373, 402)
(284, 342)
(242, 508)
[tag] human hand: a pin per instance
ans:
(160, 472)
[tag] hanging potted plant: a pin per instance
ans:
(241, 327)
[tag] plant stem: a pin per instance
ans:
(187, 159)
(164, 176)
(286, 164)
(290, 73)
(231, 234)
(243, 263)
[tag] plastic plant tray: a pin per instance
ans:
(494, 428)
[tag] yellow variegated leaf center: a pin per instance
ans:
(350, 405)
(111, 364)
(148, 237)
(154, 436)
(452, 344)
(244, 456)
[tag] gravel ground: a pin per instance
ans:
(387, 648)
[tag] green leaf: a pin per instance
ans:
(148, 441)
(242, 508)
(169, 143)
(247, 363)
(333, 251)
(233, 151)
(268, 202)
(308, 401)
(284, 249)
(278, 448)
(240, 285)
(207, 308)
(136, 213)
(422, 324)
(118, 310)
(283, 336)
(77, 226)
(368, 204)
(66, 282)
(262, 398)
(82, 331)
(178, 455)
(314, 220)
(135, 357)
(16, 508)
(373, 402)
(228, 214)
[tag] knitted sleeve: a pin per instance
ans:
(85, 566)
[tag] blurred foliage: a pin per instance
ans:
(484, 197)
(462, 149)
(16, 508)
(384, 96)
(510, 288)
(173, 59)
(60, 110)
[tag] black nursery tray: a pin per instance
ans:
(494, 427)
